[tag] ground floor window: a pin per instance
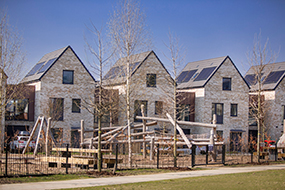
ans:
(75, 139)
(220, 135)
(236, 141)
(137, 109)
(57, 135)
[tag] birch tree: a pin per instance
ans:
(11, 62)
(101, 53)
(176, 58)
(259, 59)
(129, 36)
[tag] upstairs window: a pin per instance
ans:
(218, 109)
(17, 110)
(234, 110)
(151, 80)
(67, 77)
(56, 109)
(76, 103)
(227, 84)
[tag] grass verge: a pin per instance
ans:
(270, 179)
(91, 174)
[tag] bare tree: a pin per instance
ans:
(11, 62)
(259, 59)
(102, 103)
(129, 36)
(176, 58)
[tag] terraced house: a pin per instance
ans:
(150, 84)
(219, 89)
(273, 95)
(61, 82)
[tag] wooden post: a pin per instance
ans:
(47, 136)
(152, 148)
(144, 130)
(212, 139)
(82, 133)
(39, 134)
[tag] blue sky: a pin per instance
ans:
(207, 29)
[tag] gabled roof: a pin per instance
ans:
(117, 73)
(197, 74)
(271, 77)
(45, 63)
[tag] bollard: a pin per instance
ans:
(157, 164)
(6, 163)
(223, 154)
(207, 155)
(193, 155)
(66, 165)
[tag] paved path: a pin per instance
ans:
(134, 179)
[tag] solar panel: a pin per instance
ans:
(250, 79)
(47, 65)
(120, 71)
(205, 73)
(133, 66)
(185, 76)
(35, 69)
(273, 77)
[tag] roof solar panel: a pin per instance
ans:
(35, 69)
(185, 76)
(120, 71)
(133, 66)
(205, 73)
(250, 79)
(47, 65)
(273, 77)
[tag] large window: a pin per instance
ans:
(158, 107)
(183, 112)
(218, 109)
(17, 110)
(151, 80)
(234, 110)
(227, 84)
(76, 103)
(137, 111)
(56, 109)
(67, 77)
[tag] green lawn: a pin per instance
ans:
(271, 179)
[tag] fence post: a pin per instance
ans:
(66, 165)
(223, 154)
(6, 163)
(276, 152)
(116, 163)
(193, 155)
(207, 154)
(157, 165)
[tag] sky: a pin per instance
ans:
(206, 28)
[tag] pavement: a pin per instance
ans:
(138, 178)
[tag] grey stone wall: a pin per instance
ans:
(51, 86)
(213, 93)
(139, 91)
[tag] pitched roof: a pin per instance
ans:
(117, 73)
(196, 74)
(271, 77)
(45, 63)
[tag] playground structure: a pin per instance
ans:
(87, 153)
